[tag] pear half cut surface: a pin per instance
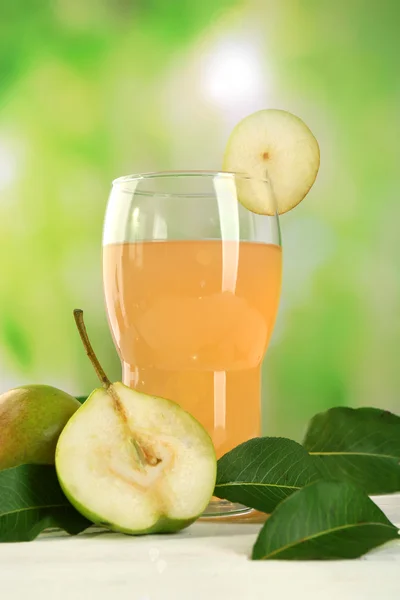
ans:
(138, 465)
(279, 157)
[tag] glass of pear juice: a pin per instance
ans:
(192, 282)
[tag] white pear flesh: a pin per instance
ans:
(99, 471)
(278, 155)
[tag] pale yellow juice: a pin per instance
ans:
(191, 321)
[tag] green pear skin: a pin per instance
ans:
(31, 420)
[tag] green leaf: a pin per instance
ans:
(359, 445)
(31, 500)
(263, 471)
(325, 520)
(81, 399)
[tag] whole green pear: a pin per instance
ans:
(31, 420)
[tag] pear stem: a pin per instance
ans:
(80, 323)
(106, 383)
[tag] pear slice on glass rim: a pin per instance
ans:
(132, 462)
(279, 158)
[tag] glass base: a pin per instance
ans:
(223, 508)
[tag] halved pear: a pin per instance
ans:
(279, 157)
(135, 463)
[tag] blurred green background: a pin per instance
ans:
(96, 89)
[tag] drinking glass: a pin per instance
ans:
(192, 283)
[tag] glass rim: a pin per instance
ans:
(185, 173)
(128, 183)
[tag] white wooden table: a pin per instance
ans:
(206, 561)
